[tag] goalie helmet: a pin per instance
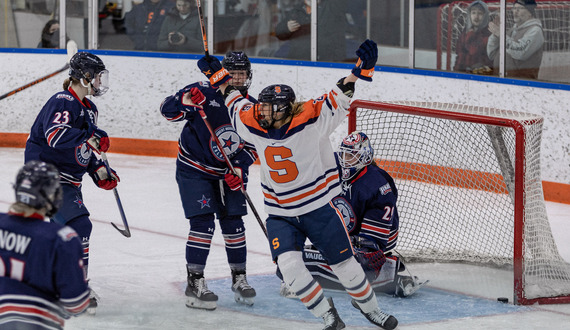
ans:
(355, 153)
(280, 98)
(90, 67)
(238, 61)
(37, 185)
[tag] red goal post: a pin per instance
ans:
(469, 189)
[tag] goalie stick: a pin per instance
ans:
(213, 134)
(126, 232)
(71, 50)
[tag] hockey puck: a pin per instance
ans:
(503, 299)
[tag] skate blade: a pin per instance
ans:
(91, 310)
(199, 304)
(242, 300)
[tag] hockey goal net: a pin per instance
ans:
(555, 19)
(470, 189)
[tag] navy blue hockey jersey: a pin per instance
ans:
(59, 134)
(42, 281)
(197, 151)
(368, 206)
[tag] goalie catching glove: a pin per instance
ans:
(98, 139)
(367, 57)
(213, 70)
(101, 177)
(234, 181)
(372, 260)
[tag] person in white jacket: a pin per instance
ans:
(524, 44)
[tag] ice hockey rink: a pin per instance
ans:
(141, 280)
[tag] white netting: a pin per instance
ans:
(456, 182)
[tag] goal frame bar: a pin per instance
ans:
(519, 200)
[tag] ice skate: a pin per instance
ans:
(198, 294)
(378, 317)
(93, 303)
(286, 292)
(331, 318)
(408, 285)
(244, 293)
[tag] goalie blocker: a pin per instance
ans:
(391, 279)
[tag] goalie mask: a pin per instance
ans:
(239, 67)
(37, 185)
(275, 104)
(89, 67)
(355, 153)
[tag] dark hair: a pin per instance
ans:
(47, 37)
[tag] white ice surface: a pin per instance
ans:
(141, 280)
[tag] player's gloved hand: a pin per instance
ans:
(367, 57)
(234, 181)
(193, 100)
(213, 70)
(98, 139)
(372, 260)
(102, 179)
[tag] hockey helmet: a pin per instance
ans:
(37, 185)
(280, 98)
(90, 67)
(355, 153)
(238, 61)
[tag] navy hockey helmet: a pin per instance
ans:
(280, 98)
(355, 153)
(37, 185)
(90, 67)
(238, 61)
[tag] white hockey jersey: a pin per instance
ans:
(298, 168)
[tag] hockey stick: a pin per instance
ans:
(126, 232)
(232, 169)
(71, 50)
(214, 136)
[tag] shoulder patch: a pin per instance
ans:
(66, 233)
(64, 96)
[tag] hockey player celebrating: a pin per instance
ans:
(65, 134)
(42, 281)
(200, 174)
(299, 179)
(368, 205)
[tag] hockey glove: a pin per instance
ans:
(102, 180)
(98, 139)
(193, 100)
(213, 70)
(372, 260)
(234, 181)
(367, 57)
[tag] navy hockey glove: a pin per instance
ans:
(213, 70)
(98, 139)
(234, 181)
(372, 260)
(102, 180)
(367, 57)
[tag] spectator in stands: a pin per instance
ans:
(144, 21)
(471, 45)
(524, 42)
(295, 26)
(180, 30)
(50, 35)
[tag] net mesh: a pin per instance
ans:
(456, 181)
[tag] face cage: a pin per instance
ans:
(353, 161)
(102, 86)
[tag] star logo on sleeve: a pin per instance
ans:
(204, 202)
(78, 201)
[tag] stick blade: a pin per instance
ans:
(71, 49)
(126, 232)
